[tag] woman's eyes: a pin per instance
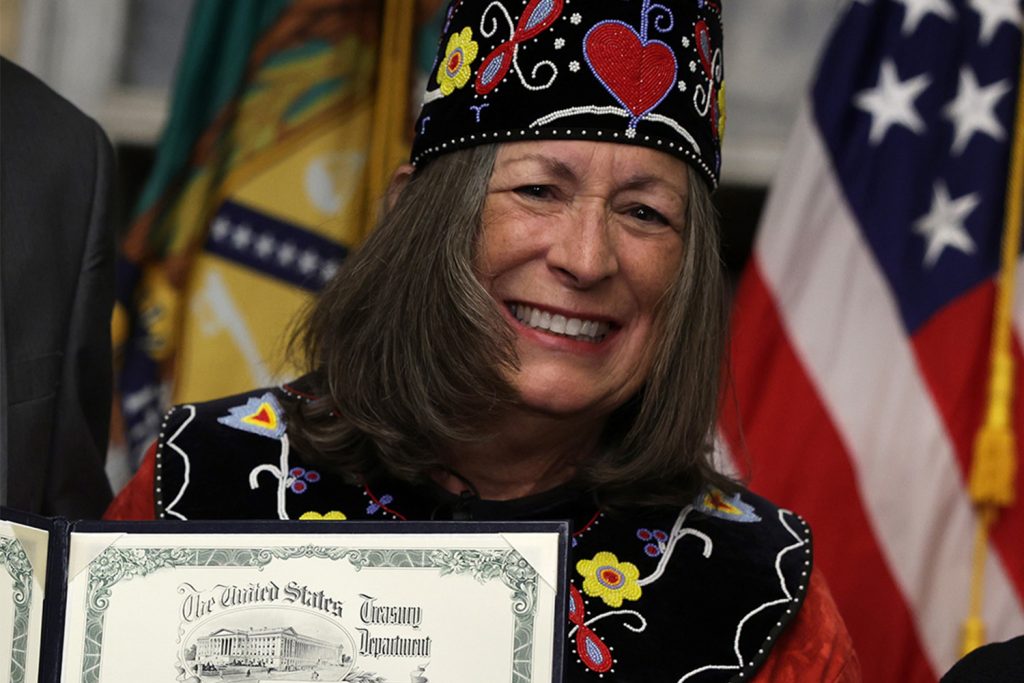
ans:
(648, 215)
(641, 212)
(536, 191)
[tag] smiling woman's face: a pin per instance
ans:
(580, 241)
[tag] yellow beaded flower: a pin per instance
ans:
(332, 515)
(606, 578)
(454, 71)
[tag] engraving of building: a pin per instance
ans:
(279, 648)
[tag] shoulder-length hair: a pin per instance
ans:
(409, 351)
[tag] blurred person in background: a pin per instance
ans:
(56, 297)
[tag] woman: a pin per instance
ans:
(533, 331)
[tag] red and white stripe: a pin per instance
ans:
(840, 416)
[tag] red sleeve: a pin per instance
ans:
(816, 647)
(136, 501)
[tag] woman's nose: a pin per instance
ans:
(583, 251)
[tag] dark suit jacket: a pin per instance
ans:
(993, 663)
(56, 297)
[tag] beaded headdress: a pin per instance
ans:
(630, 71)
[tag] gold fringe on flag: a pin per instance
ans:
(994, 463)
(388, 144)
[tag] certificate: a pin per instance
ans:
(356, 601)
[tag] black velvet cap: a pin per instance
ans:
(636, 72)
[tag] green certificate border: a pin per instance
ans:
(13, 557)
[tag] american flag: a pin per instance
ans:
(862, 326)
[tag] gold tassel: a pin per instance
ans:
(994, 461)
(994, 466)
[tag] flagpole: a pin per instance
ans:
(391, 115)
(994, 464)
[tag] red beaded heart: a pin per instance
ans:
(638, 75)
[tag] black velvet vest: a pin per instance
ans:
(697, 594)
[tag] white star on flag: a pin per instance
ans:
(242, 237)
(265, 246)
(328, 270)
(916, 10)
(943, 225)
(994, 13)
(308, 262)
(891, 101)
(974, 109)
(286, 254)
(221, 228)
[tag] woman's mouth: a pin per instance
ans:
(580, 329)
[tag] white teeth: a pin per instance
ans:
(585, 330)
